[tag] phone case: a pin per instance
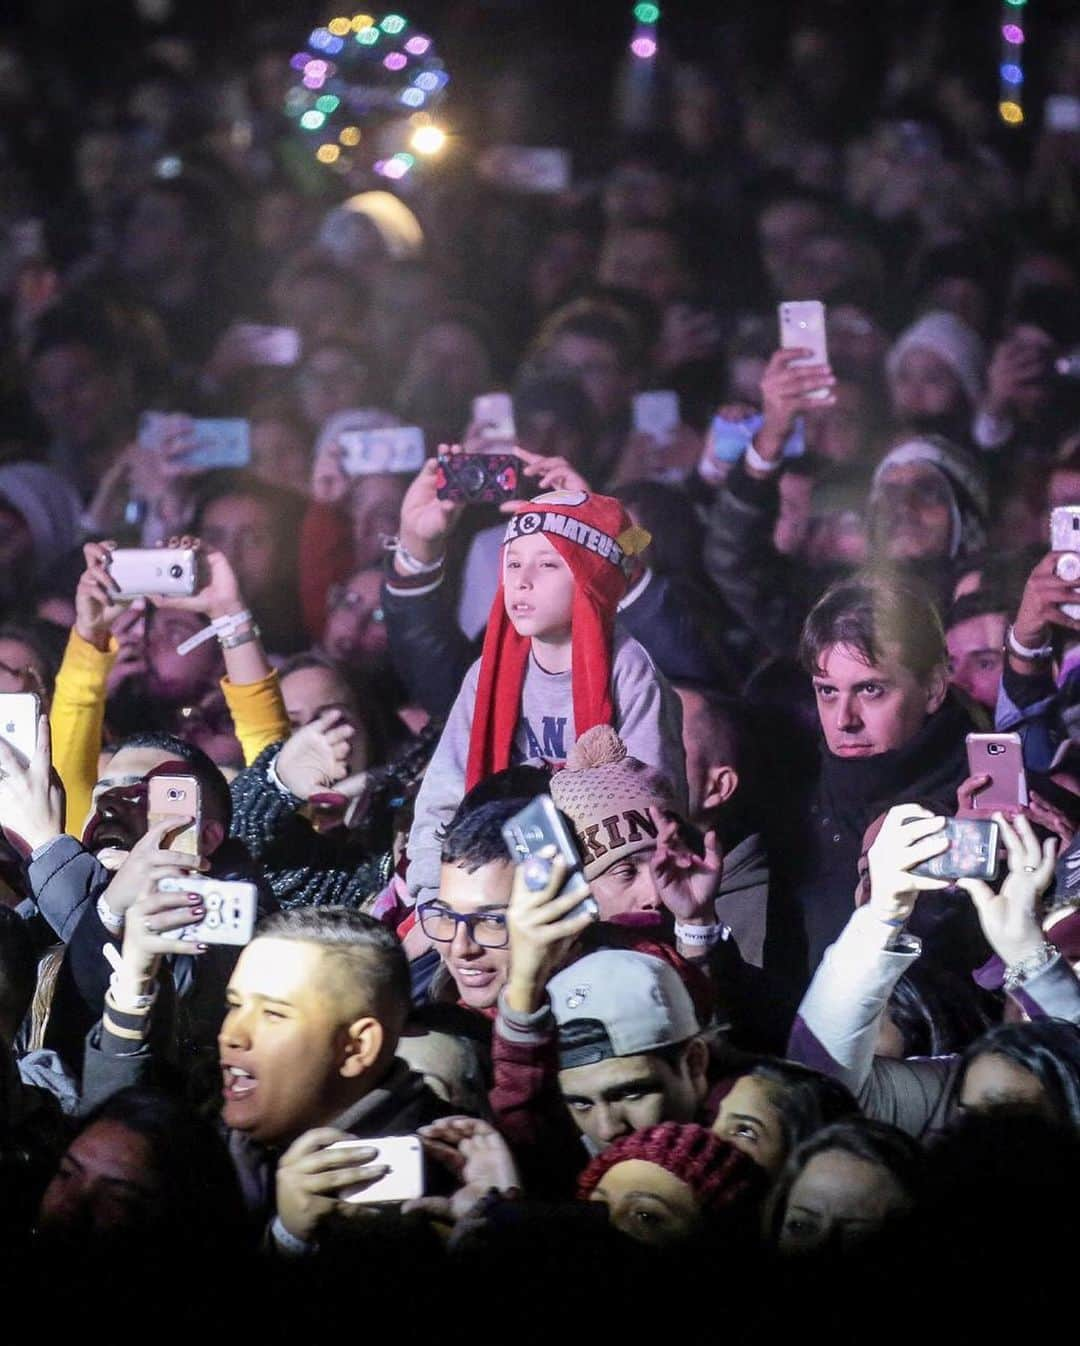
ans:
(404, 1182)
(1065, 538)
(657, 414)
(478, 478)
(1001, 757)
(140, 572)
(176, 797)
(19, 713)
(395, 448)
(972, 853)
(538, 826)
(231, 909)
(802, 323)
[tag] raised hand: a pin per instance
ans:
(909, 836)
(686, 883)
(1010, 917)
(31, 794)
(312, 1175)
(97, 606)
(541, 928)
(316, 757)
(426, 521)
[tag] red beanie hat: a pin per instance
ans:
(719, 1175)
(598, 541)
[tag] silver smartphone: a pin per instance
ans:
(802, 324)
(19, 713)
(231, 909)
(141, 572)
(539, 826)
(1065, 538)
(404, 1155)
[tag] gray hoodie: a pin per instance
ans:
(648, 717)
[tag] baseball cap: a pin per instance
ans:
(619, 1003)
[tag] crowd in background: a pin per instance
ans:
(772, 1054)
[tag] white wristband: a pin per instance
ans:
(701, 936)
(1024, 651)
(288, 1243)
(759, 464)
(113, 921)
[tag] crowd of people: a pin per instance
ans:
(748, 1025)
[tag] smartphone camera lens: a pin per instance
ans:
(174, 794)
(176, 571)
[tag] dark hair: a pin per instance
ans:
(371, 698)
(875, 1142)
(18, 968)
(45, 639)
(936, 1012)
(980, 603)
(215, 787)
(1048, 1048)
(473, 836)
(286, 506)
(372, 963)
(869, 612)
(198, 1199)
(596, 321)
(805, 1099)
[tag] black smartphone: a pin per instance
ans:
(972, 853)
(539, 826)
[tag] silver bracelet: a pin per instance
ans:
(230, 642)
(1023, 651)
(412, 565)
(1018, 973)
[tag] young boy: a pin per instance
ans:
(552, 666)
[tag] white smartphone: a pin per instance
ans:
(494, 414)
(1065, 538)
(144, 571)
(405, 1182)
(395, 448)
(275, 346)
(657, 414)
(19, 713)
(231, 908)
(802, 324)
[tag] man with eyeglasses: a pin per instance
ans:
(466, 923)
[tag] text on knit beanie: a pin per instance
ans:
(606, 796)
(598, 541)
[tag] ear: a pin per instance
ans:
(936, 686)
(721, 782)
(697, 1065)
(364, 1041)
(211, 835)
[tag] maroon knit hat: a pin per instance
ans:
(719, 1175)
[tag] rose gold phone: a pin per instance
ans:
(1001, 757)
(176, 797)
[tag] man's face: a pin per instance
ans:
(119, 799)
(976, 656)
(596, 364)
(911, 513)
(73, 393)
(479, 972)
(282, 1042)
(538, 588)
(866, 709)
(611, 1098)
(243, 528)
(782, 230)
(627, 888)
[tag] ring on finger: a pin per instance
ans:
(150, 930)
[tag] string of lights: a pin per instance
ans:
(1011, 74)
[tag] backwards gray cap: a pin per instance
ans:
(639, 1004)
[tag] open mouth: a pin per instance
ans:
(237, 1083)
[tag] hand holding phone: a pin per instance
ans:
(142, 572)
(315, 1170)
(176, 797)
(479, 478)
(228, 909)
(972, 852)
(19, 712)
(999, 758)
(802, 327)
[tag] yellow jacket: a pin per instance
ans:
(77, 718)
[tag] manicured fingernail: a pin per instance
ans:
(194, 899)
(202, 948)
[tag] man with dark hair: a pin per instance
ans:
(874, 648)
(314, 1010)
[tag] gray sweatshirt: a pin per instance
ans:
(648, 716)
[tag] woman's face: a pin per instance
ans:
(993, 1080)
(105, 1184)
(925, 388)
(838, 1198)
(20, 668)
(647, 1203)
(749, 1120)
